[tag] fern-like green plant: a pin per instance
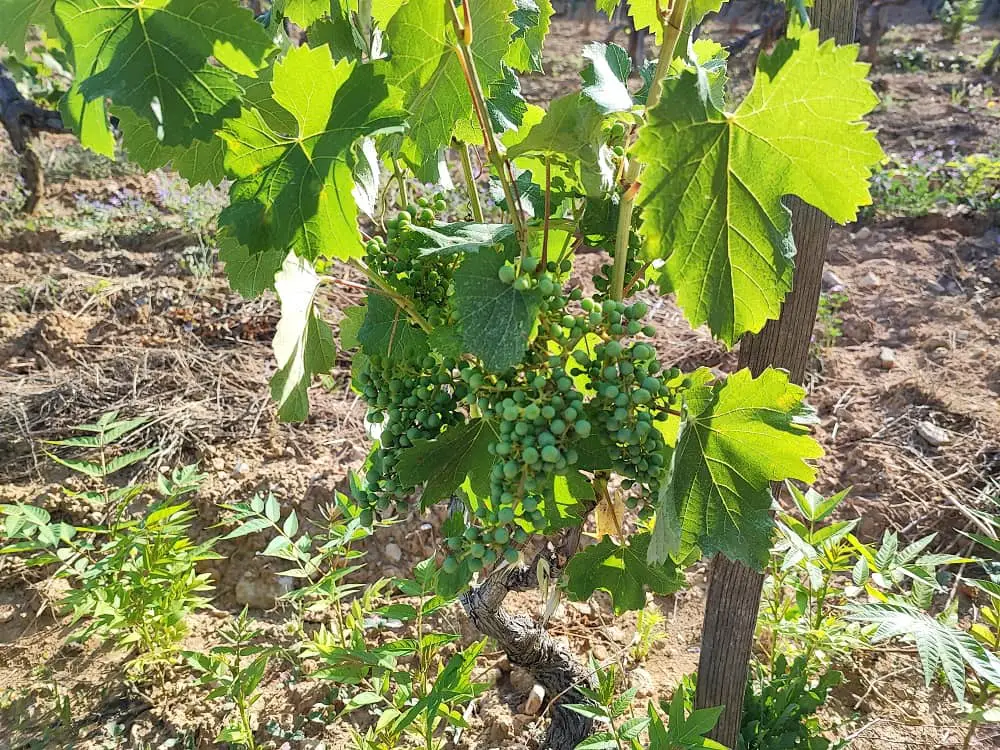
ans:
(943, 647)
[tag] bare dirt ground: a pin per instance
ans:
(106, 303)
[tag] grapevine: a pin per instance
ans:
(493, 382)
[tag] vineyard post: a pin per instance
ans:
(735, 589)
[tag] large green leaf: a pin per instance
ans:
(734, 440)
(249, 273)
(605, 77)
(645, 15)
(199, 162)
(623, 571)
(303, 343)
(388, 332)
(17, 16)
(295, 189)
(463, 237)
(495, 318)
(444, 463)
(568, 134)
(531, 19)
(424, 64)
(153, 56)
(713, 183)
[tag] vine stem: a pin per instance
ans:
(672, 31)
(463, 48)
(470, 182)
(402, 302)
(548, 210)
(403, 197)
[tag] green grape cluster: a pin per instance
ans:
(408, 404)
(631, 393)
(398, 259)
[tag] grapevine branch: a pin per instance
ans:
(23, 119)
(672, 31)
(463, 48)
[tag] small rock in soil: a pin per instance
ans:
(500, 729)
(533, 705)
(831, 281)
(862, 234)
(241, 469)
(887, 358)
(642, 681)
(936, 436)
(935, 288)
(261, 592)
(869, 281)
(392, 552)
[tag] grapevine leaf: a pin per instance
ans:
(463, 237)
(605, 77)
(531, 19)
(367, 175)
(505, 105)
(734, 440)
(338, 33)
(295, 189)
(712, 188)
(89, 120)
(446, 340)
(444, 463)
(646, 16)
(423, 63)
(153, 56)
(248, 273)
(495, 318)
(622, 571)
(387, 331)
(940, 646)
(303, 343)
(305, 13)
(350, 325)
(198, 163)
(570, 134)
(567, 504)
(17, 16)
(704, 55)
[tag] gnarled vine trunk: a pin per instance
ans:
(23, 119)
(528, 646)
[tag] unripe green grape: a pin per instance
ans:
(530, 455)
(582, 428)
(450, 565)
(471, 533)
(530, 263)
(507, 274)
(505, 515)
(489, 557)
(475, 564)
(511, 555)
(501, 535)
(477, 549)
(550, 454)
(522, 283)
